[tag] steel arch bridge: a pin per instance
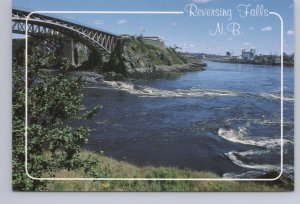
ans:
(42, 25)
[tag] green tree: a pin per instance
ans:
(53, 101)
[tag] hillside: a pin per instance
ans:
(135, 58)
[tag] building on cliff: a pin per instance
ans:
(153, 40)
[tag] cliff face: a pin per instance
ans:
(128, 62)
(134, 58)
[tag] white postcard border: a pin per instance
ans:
(142, 179)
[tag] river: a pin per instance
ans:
(224, 120)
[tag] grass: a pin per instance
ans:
(158, 55)
(110, 168)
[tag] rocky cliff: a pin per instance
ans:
(133, 58)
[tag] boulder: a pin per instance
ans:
(112, 76)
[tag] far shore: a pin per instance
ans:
(250, 62)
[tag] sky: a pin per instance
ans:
(191, 31)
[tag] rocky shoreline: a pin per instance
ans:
(159, 72)
(189, 67)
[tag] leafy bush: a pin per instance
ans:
(52, 101)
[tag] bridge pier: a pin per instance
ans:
(76, 52)
(68, 50)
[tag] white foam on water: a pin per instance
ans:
(266, 167)
(259, 121)
(276, 97)
(239, 136)
(252, 152)
(145, 91)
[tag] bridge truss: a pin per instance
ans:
(42, 25)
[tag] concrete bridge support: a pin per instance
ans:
(76, 52)
(69, 50)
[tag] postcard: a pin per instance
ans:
(153, 96)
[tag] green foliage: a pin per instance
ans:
(83, 56)
(158, 55)
(18, 46)
(91, 113)
(53, 100)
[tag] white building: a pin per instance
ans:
(248, 55)
(153, 40)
